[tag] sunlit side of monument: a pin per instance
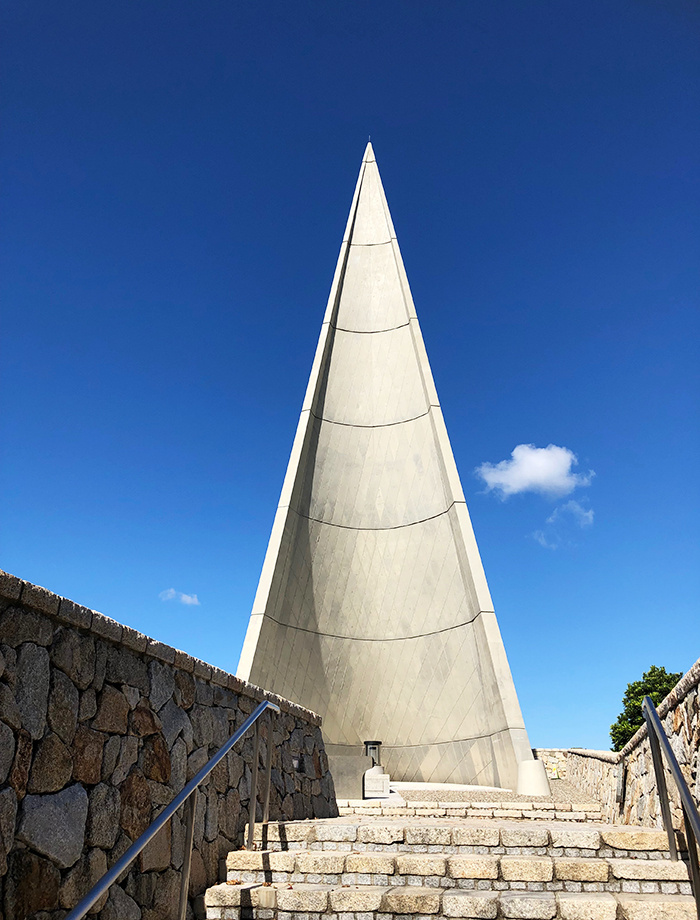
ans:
(373, 608)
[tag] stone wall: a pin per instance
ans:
(554, 761)
(596, 773)
(100, 727)
(624, 782)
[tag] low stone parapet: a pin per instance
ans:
(100, 727)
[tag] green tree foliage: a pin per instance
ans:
(656, 683)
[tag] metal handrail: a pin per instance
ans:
(658, 741)
(188, 794)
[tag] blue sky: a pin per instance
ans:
(176, 182)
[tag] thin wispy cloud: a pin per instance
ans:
(189, 599)
(170, 594)
(559, 526)
(547, 470)
(541, 538)
(581, 516)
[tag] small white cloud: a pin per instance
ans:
(541, 538)
(171, 594)
(582, 516)
(190, 599)
(547, 470)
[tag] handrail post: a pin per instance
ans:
(190, 810)
(693, 857)
(253, 788)
(659, 742)
(268, 772)
(661, 783)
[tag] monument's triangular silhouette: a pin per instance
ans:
(372, 607)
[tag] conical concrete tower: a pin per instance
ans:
(373, 608)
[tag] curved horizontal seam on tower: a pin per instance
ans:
(368, 331)
(383, 243)
(398, 747)
(435, 632)
(396, 527)
(403, 421)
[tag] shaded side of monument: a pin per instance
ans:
(373, 608)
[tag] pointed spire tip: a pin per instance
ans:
(369, 153)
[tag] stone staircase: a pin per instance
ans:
(520, 808)
(415, 867)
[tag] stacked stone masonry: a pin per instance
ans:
(603, 775)
(554, 760)
(494, 855)
(316, 902)
(372, 869)
(535, 810)
(100, 727)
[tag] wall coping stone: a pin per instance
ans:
(66, 611)
(607, 756)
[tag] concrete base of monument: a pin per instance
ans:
(532, 778)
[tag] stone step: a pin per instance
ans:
(436, 871)
(551, 838)
(328, 902)
(527, 810)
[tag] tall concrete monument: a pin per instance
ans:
(373, 607)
